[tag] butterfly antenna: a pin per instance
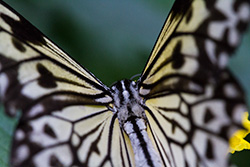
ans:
(135, 76)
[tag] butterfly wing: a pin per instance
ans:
(194, 102)
(65, 118)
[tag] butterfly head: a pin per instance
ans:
(127, 102)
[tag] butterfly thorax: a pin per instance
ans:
(130, 110)
(127, 102)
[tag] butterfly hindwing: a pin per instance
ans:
(76, 135)
(194, 129)
(194, 102)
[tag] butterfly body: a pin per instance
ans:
(127, 101)
(130, 109)
(180, 113)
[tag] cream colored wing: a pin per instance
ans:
(194, 103)
(65, 120)
(77, 135)
(194, 45)
(32, 67)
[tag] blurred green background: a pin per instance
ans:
(112, 39)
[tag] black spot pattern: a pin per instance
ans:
(189, 16)
(23, 35)
(19, 46)
(174, 124)
(211, 73)
(209, 150)
(178, 58)
(55, 162)
(241, 26)
(46, 80)
(208, 116)
(49, 131)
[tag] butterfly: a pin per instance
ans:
(180, 112)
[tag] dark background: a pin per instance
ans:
(112, 39)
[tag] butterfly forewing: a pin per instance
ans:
(20, 28)
(194, 102)
(34, 67)
(194, 45)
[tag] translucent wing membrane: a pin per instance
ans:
(65, 120)
(194, 102)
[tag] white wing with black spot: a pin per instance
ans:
(65, 119)
(194, 102)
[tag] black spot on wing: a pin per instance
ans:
(18, 45)
(46, 80)
(208, 116)
(226, 39)
(55, 162)
(189, 16)
(241, 26)
(178, 58)
(23, 30)
(174, 123)
(49, 131)
(224, 131)
(209, 151)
